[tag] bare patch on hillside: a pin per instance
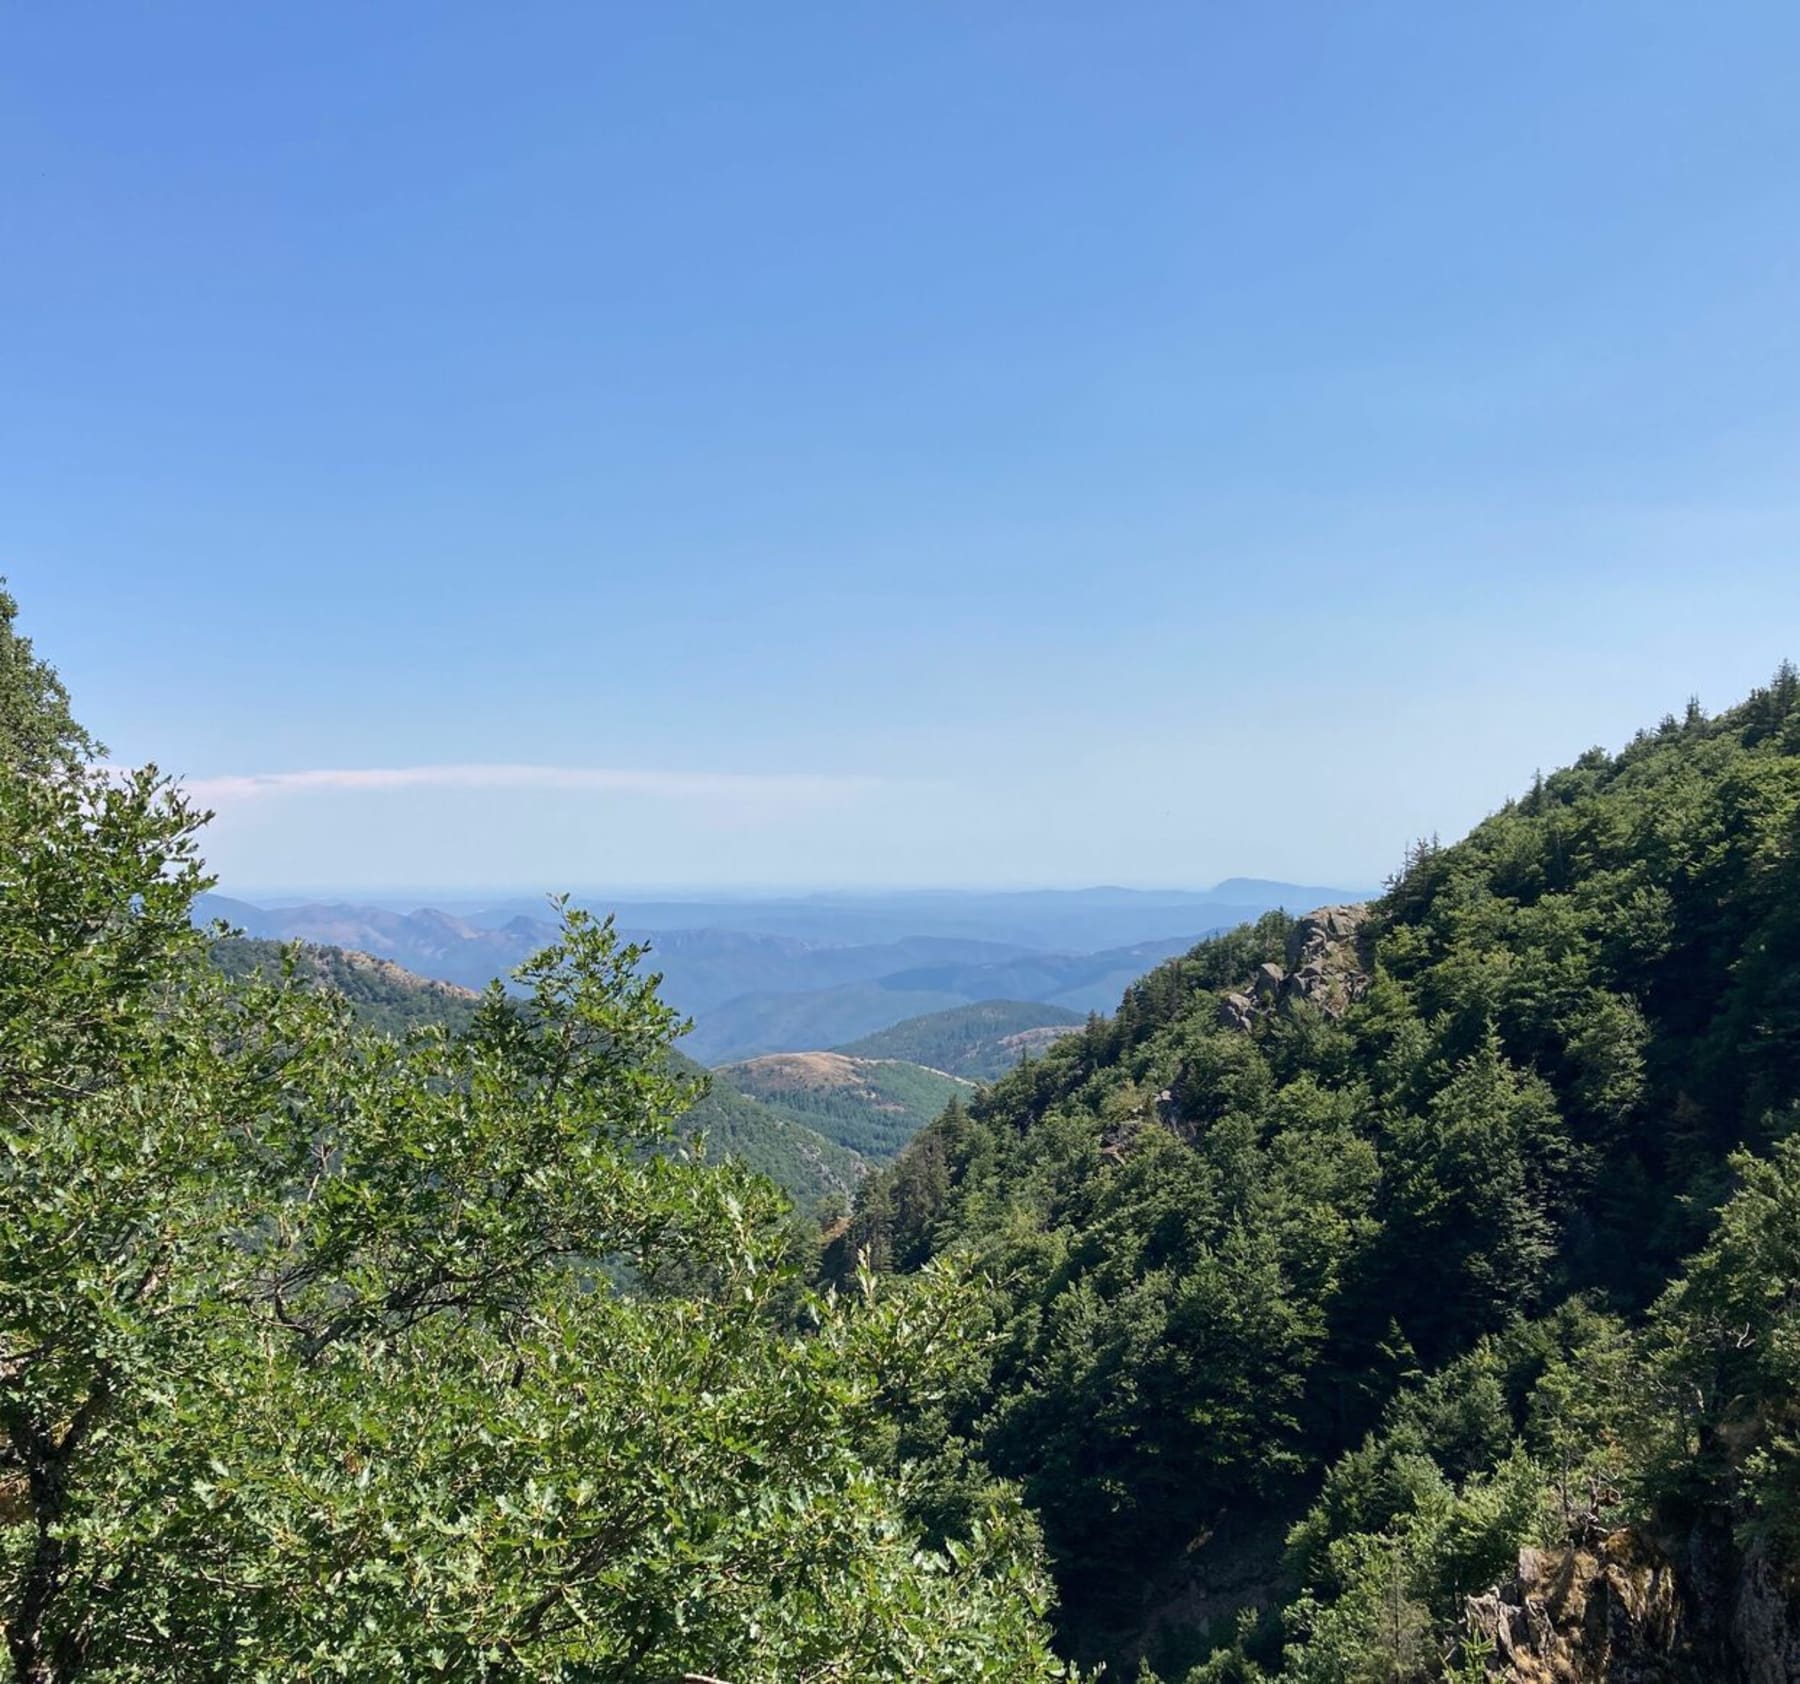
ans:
(1034, 1041)
(387, 971)
(805, 1071)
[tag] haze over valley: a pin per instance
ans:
(895, 1003)
(810, 973)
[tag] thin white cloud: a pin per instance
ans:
(681, 786)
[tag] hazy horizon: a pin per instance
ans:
(487, 896)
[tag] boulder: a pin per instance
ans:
(1307, 981)
(1236, 1011)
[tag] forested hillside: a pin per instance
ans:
(815, 1169)
(1351, 1256)
(383, 995)
(869, 1106)
(981, 1041)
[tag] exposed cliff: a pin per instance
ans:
(1625, 1610)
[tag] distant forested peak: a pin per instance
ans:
(982, 1041)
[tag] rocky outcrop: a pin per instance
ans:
(1325, 960)
(1236, 1011)
(1623, 1610)
(1326, 967)
(1321, 936)
(1609, 1614)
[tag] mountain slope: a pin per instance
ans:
(867, 1105)
(1416, 1175)
(981, 1041)
(796, 1155)
(384, 995)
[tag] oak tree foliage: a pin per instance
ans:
(329, 1354)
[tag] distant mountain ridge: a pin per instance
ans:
(803, 973)
(428, 942)
(756, 1024)
(1079, 982)
(1058, 920)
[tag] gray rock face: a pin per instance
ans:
(1618, 1610)
(1236, 1011)
(1765, 1623)
(1326, 964)
(1318, 935)
(1325, 968)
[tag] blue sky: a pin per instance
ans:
(832, 444)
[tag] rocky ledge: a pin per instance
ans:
(1326, 966)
